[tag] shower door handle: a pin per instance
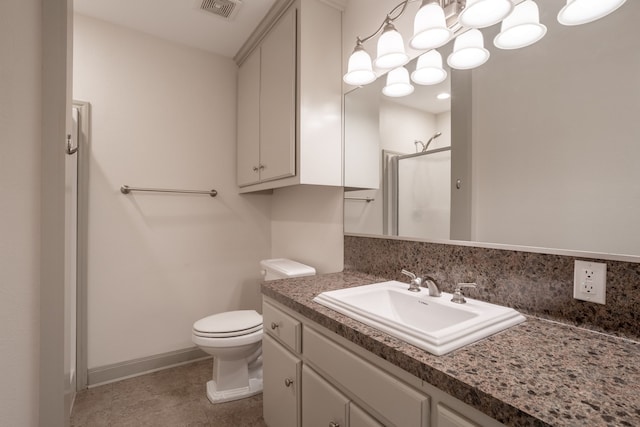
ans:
(69, 149)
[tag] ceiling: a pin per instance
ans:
(181, 21)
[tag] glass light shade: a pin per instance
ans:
(359, 71)
(521, 28)
(398, 83)
(429, 69)
(578, 12)
(484, 13)
(443, 95)
(430, 28)
(468, 51)
(391, 52)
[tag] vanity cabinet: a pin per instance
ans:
(290, 102)
(313, 377)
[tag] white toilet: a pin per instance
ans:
(234, 339)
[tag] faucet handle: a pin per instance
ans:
(408, 273)
(457, 294)
(414, 286)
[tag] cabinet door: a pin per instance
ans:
(248, 139)
(359, 418)
(322, 405)
(281, 381)
(448, 418)
(278, 100)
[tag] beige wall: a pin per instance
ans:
(20, 100)
(163, 115)
(306, 226)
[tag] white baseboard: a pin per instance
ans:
(143, 365)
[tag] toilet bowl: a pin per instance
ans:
(234, 339)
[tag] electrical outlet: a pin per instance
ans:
(590, 281)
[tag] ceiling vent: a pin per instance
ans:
(227, 9)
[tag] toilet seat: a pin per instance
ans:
(228, 334)
(228, 329)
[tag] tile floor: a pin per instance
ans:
(173, 397)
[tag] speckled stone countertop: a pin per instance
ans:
(538, 373)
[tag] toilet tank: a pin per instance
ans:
(282, 268)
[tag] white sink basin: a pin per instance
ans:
(436, 325)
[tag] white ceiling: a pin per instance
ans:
(181, 21)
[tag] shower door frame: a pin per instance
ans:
(83, 144)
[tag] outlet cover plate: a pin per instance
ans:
(589, 281)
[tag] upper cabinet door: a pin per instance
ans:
(278, 100)
(248, 147)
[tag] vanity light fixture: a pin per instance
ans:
(437, 21)
(430, 29)
(522, 28)
(484, 13)
(577, 12)
(360, 70)
(468, 51)
(391, 52)
(443, 95)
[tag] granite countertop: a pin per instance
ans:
(538, 373)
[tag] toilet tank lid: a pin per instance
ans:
(287, 268)
(229, 321)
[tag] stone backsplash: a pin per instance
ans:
(534, 283)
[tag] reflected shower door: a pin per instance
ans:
(424, 195)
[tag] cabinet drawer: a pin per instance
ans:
(400, 404)
(281, 326)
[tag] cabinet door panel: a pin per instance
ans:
(449, 418)
(322, 404)
(359, 418)
(281, 379)
(278, 100)
(248, 145)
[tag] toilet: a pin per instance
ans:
(234, 339)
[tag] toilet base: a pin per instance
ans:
(215, 396)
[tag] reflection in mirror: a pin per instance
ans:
(553, 136)
(399, 149)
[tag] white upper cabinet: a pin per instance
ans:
(290, 102)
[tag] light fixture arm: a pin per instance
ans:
(390, 18)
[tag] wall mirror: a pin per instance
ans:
(544, 145)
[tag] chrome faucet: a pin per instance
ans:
(417, 282)
(457, 294)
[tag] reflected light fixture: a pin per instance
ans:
(398, 83)
(521, 28)
(443, 95)
(437, 21)
(429, 69)
(577, 12)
